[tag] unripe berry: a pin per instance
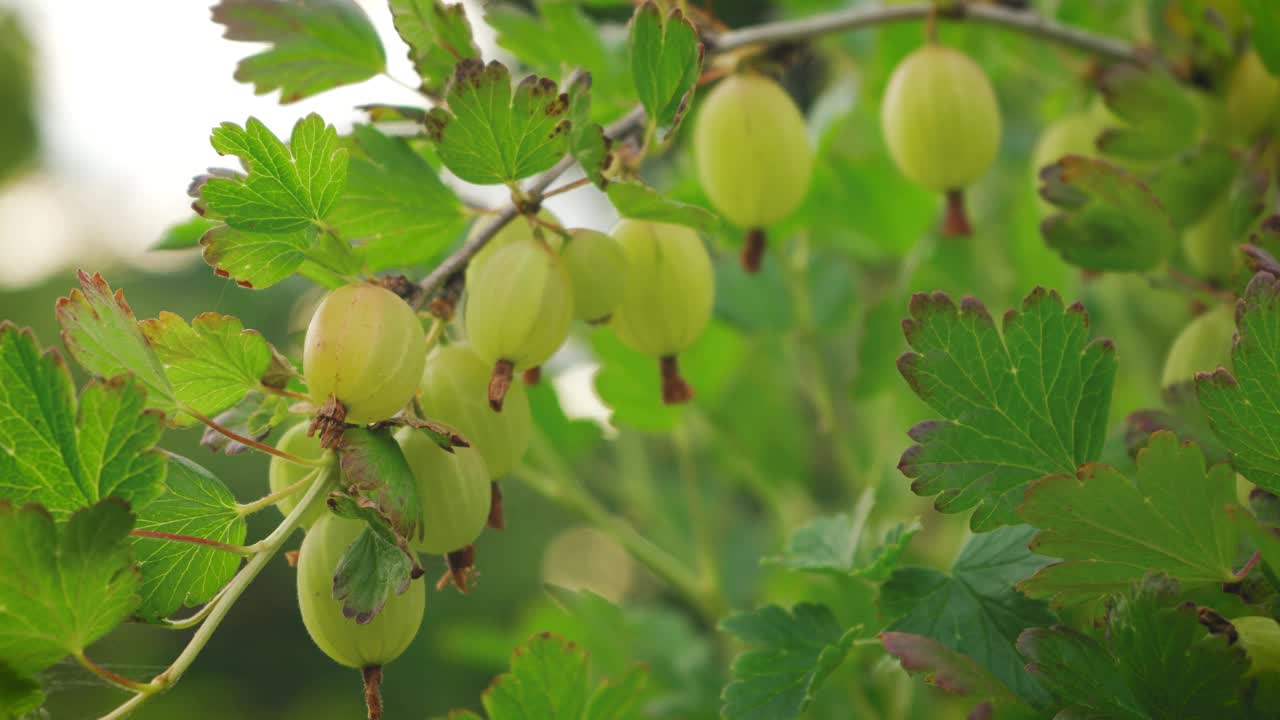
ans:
(454, 386)
(753, 154)
(282, 473)
(1075, 133)
(519, 308)
(366, 347)
(453, 490)
(1252, 97)
(1260, 637)
(518, 229)
(372, 644)
(1204, 345)
(942, 124)
(598, 271)
(669, 295)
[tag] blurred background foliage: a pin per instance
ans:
(800, 408)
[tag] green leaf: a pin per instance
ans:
(490, 135)
(101, 333)
(1161, 117)
(637, 200)
(183, 574)
(1015, 408)
(19, 694)
(316, 45)
(374, 467)
(65, 454)
(254, 260)
(1109, 530)
(1110, 219)
(549, 679)
(945, 668)
(367, 573)
(213, 363)
(832, 545)
(975, 610)
(1188, 188)
(287, 188)
(587, 140)
(1158, 662)
(666, 59)
(1244, 406)
(1265, 18)
(395, 203)
(795, 652)
(62, 586)
(184, 235)
(438, 36)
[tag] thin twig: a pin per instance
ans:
(566, 187)
(250, 442)
(862, 17)
(191, 539)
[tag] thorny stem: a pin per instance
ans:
(271, 499)
(264, 551)
(250, 442)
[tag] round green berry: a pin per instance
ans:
(453, 490)
(282, 473)
(598, 271)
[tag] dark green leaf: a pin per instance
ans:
(62, 586)
(374, 467)
(195, 503)
(19, 694)
(945, 668)
(315, 44)
(587, 140)
(287, 188)
(832, 545)
(67, 454)
(1244, 407)
(490, 135)
(794, 653)
(1110, 220)
(975, 611)
(1002, 427)
(438, 36)
(639, 201)
(1190, 186)
(368, 572)
(1161, 117)
(1265, 17)
(666, 59)
(395, 204)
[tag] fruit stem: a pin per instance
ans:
(675, 391)
(500, 383)
(111, 677)
(566, 187)
(283, 393)
(956, 223)
(372, 675)
(275, 497)
(175, 537)
(497, 520)
(753, 249)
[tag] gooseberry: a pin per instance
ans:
(519, 229)
(366, 347)
(1260, 637)
(1203, 346)
(453, 489)
(1252, 97)
(598, 271)
(282, 473)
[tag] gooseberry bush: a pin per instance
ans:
(801, 193)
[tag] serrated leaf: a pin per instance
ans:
(316, 45)
(438, 35)
(374, 467)
(1265, 38)
(1244, 406)
(794, 653)
(62, 585)
(183, 574)
(19, 694)
(395, 204)
(1187, 188)
(666, 59)
(287, 188)
(1109, 530)
(1140, 425)
(213, 363)
(367, 573)
(1015, 408)
(254, 260)
(833, 545)
(587, 141)
(101, 333)
(1161, 118)
(1158, 662)
(65, 453)
(1110, 220)
(637, 200)
(490, 135)
(975, 610)
(549, 679)
(945, 668)
(184, 235)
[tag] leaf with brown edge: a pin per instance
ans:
(101, 333)
(253, 260)
(944, 668)
(666, 60)
(1016, 404)
(374, 467)
(438, 35)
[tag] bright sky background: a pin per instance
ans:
(128, 94)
